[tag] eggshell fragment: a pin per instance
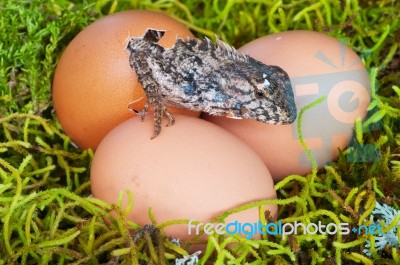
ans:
(192, 170)
(318, 65)
(94, 84)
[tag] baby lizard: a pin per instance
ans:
(217, 79)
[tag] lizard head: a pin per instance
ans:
(269, 95)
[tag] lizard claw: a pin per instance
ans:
(171, 120)
(143, 112)
(158, 115)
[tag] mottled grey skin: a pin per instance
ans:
(217, 79)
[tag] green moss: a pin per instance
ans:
(47, 214)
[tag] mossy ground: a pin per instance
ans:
(47, 215)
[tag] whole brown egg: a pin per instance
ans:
(193, 170)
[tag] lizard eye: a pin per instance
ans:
(260, 93)
(262, 87)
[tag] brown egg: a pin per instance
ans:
(94, 84)
(192, 170)
(318, 65)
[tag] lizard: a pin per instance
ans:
(198, 75)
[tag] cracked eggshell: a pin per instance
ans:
(94, 84)
(318, 65)
(192, 170)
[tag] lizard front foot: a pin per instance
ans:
(143, 112)
(160, 112)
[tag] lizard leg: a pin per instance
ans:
(158, 115)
